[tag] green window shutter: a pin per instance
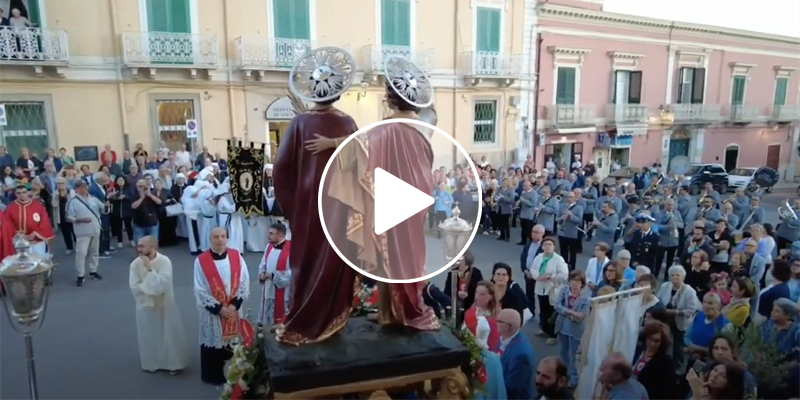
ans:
(388, 22)
(781, 90)
(291, 19)
(157, 16)
(737, 97)
(179, 16)
(402, 22)
(565, 88)
(488, 29)
(34, 15)
(301, 22)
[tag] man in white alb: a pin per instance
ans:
(221, 285)
(229, 218)
(162, 342)
(275, 277)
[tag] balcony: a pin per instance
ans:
(563, 116)
(34, 47)
(691, 114)
(741, 114)
(477, 66)
(375, 55)
(168, 50)
(258, 54)
(627, 114)
(785, 114)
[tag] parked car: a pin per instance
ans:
(625, 174)
(699, 174)
(741, 178)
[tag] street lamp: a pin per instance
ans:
(25, 276)
(456, 233)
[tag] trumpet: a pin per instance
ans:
(786, 212)
(701, 198)
(730, 199)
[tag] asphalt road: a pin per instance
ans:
(87, 348)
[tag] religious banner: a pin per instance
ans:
(246, 165)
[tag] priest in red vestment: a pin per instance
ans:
(403, 150)
(322, 284)
(275, 277)
(30, 218)
(7, 233)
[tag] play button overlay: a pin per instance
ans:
(377, 195)
(396, 201)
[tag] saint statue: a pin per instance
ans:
(323, 285)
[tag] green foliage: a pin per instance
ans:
(761, 355)
(247, 369)
(475, 356)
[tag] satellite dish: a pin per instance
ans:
(680, 165)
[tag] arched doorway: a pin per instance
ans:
(731, 157)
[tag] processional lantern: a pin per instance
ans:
(25, 276)
(456, 233)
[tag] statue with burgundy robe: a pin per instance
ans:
(322, 288)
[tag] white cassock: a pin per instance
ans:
(275, 290)
(191, 211)
(232, 221)
(162, 342)
(208, 267)
(207, 220)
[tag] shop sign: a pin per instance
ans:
(280, 109)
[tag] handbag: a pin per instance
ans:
(173, 210)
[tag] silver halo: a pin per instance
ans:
(409, 81)
(322, 74)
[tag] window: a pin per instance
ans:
(172, 116)
(396, 22)
(485, 122)
(488, 30)
(26, 127)
(781, 90)
(715, 169)
(168, 16)
(692, 86)
(565, 86)
(291, 18)
(738, 89)
(627, 87)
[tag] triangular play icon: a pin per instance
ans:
(396, 201)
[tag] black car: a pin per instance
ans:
(699, 174)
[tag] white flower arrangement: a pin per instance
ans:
(243, 372)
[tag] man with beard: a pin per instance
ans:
(552, 379)
(322, 284)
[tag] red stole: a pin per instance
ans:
(280, 293)
(230, 326)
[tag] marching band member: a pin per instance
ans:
(740, 204)
(644, 243)
(670, 223)
(649, 203)
(687, 208)
(590, 196)
(606, 224)
(708, 214)
(708, 190)
(569, 221)
(229, 217)
(730, 216)
(611, 197)
(528, 201)
(752, 215)
(275, 277)
(789, 228)
(30, 217)
(559, 184)
(546, 214)
(629, 222)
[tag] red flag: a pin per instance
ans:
(248, 333)
(237, 392)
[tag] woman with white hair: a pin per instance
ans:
(625, 271)
(784, 330)
(680, 300)
(641, 270)
(706, 325)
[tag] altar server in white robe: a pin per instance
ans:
(229, 218)
(257, 226)
(221, 285)
(207, 220)
(162, 341)
(191, 210)
(177, 190)
(275, 277)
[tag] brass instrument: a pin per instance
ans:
(786, 212)
(738, 236)
(729, 199)
(558, 198)
(701, 198)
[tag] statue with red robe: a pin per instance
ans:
(404, 150)
(29, 216)
(322, 285)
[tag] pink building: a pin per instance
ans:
(643, 91)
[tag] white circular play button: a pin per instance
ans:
(377, 196)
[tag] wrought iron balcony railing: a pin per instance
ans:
(627, 113)
(562, 115)
(694, 113)
(265, 53)
(168, 49)
(34, 46)
(491, 64)
(375, 55)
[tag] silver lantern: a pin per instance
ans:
(25, 277)
(456, 233)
